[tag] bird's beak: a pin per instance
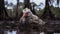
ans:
(25, 14)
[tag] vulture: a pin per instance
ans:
(29, 17)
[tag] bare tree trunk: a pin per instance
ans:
(17, 10)
(3, 12)
(28, 5)
(17, 6)
(51, 2)
(47, 13)
(58, 3)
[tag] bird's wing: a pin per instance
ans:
(37, 20)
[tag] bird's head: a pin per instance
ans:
(27, 12)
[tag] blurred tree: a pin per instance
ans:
(47, 13)
(17, 10)
(3, 13)
(51, 2)
(33, 7)
(28, 5)
(56, 11)
(58, 3)
(6, 2)
(11, 4)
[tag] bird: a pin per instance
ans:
(30, 21)
(29, 17)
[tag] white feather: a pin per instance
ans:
(32, 17)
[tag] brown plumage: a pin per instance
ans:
(30, 17)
